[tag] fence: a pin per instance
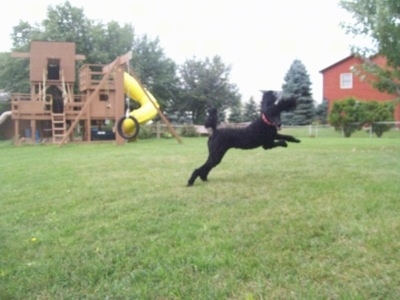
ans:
(323, 131)
(312, 131)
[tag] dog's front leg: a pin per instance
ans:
(288, 138)
(279, 143)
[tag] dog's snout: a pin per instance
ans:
(278, 97)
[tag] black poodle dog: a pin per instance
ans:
(261, 132)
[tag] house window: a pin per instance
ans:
(346, 80)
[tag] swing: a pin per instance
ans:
(128, 126)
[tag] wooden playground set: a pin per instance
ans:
(52, 111)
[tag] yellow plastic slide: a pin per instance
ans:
(147, 110)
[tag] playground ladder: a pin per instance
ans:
(58, 126)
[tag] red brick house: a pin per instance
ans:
(339, 83)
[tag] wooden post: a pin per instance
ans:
(16, 131)
(119, 101)
(158, 129)
(33, 131)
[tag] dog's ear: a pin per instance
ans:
(287, 104)
(268, 99)
(212, 110)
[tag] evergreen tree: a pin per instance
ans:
(321, 112)
(236, 113)
(298, 84)
(251, 111)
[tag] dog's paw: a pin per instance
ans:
(283, 143)
(297, 141)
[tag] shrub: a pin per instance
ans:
(145, 132)
(188, 131)
(344, 116)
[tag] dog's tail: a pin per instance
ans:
(211, 119)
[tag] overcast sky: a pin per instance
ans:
(259, 39)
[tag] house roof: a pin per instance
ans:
(352, 55)
(337, 63)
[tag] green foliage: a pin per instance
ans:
(251, 111)
(350, 115)
(188, 130)
(23, 34)
(373, 111)
(14, 74)
(380, 21)
(65, 23)
(298, 84)
(145, 132)
(205, 83)
(198, 84)
(236, 115)
(321, 112)
(155, 71)
(100, 43)
(345, 116)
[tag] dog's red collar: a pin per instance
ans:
(266, 121)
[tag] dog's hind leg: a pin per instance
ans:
(201, 172)
(213, 159)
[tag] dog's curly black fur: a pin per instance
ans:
(261, 132)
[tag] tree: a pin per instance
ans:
(155, 70)
(321, 112)
(14, 74)
(298, 84)
(65, 23)
(251, 111)
(344, 116)
(372, 112)
(205, 83)
(380, 21)
(23, 34)
(236, 113)
(100, 43)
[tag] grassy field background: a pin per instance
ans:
(318, 220)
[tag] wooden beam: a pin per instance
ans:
(80, 57)
(87, 103)
(125, 58)
(119, 102)
(21, 54)
(121, 60)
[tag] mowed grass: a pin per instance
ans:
(318, 220)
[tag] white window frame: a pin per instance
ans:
(346, 80)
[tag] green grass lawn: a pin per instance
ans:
(318, 220)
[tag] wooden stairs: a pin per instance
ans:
(58, 127)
